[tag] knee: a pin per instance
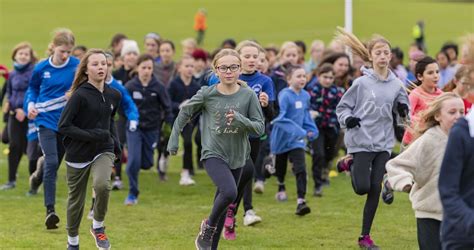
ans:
(101, 186)
(361, 189)
(230, 195)
(299, 169)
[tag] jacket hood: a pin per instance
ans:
(369, 72)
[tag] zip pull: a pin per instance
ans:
(103, 98)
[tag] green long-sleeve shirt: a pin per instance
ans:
(227, 142)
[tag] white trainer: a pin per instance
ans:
(251, 218)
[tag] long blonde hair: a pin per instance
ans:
(81, 76)
(428, 116)
(284, 47)
(61, 36)
(357, 46)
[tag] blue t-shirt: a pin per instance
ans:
(47, 88)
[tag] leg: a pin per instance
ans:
(33, 151)
(48, 141)
(376, 175)
(134, 160)
(245, 180)
(226, 181)
(187, 135)
(148, 147)
(318, 159)
(77, 183)
(298, 158)
(263, 152)
(281, 164)
(360, 172)
(428, 231)
(17, 134)
(101, 171)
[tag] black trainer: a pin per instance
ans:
(72, 247)
(302, 209)
(206, 234)
(101, 240)
(52, 220)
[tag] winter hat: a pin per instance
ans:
(129, 46)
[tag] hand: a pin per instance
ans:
(402, 110)
(310, 134)
(407, 188)
(263, 98)
(32, 113)
(229, 116)
(20, 115)
(313, 114)
(352, 122)
(132, 126)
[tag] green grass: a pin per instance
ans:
(168, 216)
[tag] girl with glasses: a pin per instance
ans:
(230, 112)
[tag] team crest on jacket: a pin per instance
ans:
(46, 74)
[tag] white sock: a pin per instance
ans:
(300, 200)
(97, 224)
(74, 241)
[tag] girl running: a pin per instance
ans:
(456, 175)
(152, 101)
(427, 75)
(325, 96)
(181, 89)
(230, 113)
(165, 72)
(366, 111)
(91, 146)
(49, 82)
(291, 126)
(416, 170)
(24, 61)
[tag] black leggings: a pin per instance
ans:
(246, 181)
(226, 181)
(367, 173)
(324, 150)
(187, 135)
(297, 157)
(428, 233)
(17, 135)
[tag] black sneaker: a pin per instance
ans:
(204, 239)
(72, 247)
(302, 209)
(101, 240)
(318, 191)
(52, 220)
(387, 192)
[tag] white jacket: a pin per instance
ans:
(419, 165)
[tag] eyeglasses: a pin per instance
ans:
(223, 69)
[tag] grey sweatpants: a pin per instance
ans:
(77, 179)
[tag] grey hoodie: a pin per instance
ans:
(372, 100)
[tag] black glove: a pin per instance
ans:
(352, 122)
(402, 110)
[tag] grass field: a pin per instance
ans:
(168, 216)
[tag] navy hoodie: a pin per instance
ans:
(179, 92)
(17, 85)
(152, 101)
(456, 184)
